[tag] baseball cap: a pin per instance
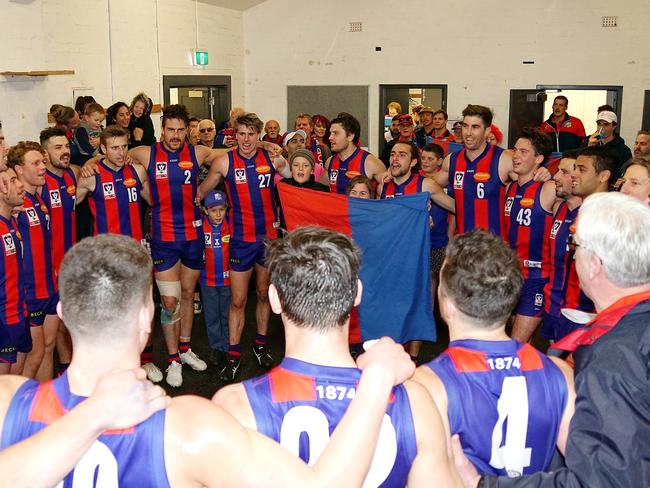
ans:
(426, 109)
(214, 198)
(405, 119)
(293, 134)
(607, 117)
(457, 125)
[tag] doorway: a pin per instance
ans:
(206, 97)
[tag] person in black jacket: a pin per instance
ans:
(141, 131)
(608, 436)
(607, 136)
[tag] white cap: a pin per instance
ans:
(293, 134)
(607, 116)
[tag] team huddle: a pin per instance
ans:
(516, 239)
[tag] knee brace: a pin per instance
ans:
(170, 289)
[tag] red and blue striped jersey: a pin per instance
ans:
(558, 258)
(60, 195)
(478, 190)
(412, 185)
(505, 400)
(173, 179)
(251, 190)
(216, 271)
(574, 297)
(34, 227)
(116, 458)
(12, 277)
(340, 172)
(315, 149)
(527, 224)
(116, 203)
(299, 405)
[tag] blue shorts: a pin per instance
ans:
(549, 326)
(38, 308)
(15, 338)
(531, 300)
(245, 255)
(166, 254)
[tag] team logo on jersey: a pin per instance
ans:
(508, 206)
(208, 239)
(9, 244)
(480, 177)
(458, 179)
(556, 227)
(527, 202)
(539, 299)
(240, 176)
(352, 174)
(263, 169)
(186, 165)
(109, 190)
(32, 217)
(161, 170)
(72, 190)
(55, 198)
(130, 182)
(334, 175)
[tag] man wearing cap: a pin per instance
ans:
(568, 130)
(433, 126)
(606, 136)
(457, 131)
(406, 134)
(292, 141)
(215, 276)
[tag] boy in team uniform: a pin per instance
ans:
(215, 276)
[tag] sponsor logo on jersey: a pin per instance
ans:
(527, 202)
(130, 182)
(508, 206)
(225, 238)
(458, 179)
(44, 208)
(161, 170)
(32, 216)
(55, 198)
(9, 244)
(352, 174)
(72, 190)
(532, 264)
(186, 165)
(240, 176)
(109, 190)
(539, 299)
(334, 175)
(556, 227)
(263, 169)
(481, 177)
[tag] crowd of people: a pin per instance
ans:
(549, 236)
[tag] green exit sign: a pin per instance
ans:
(200, 58)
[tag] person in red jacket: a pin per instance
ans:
(568, 130)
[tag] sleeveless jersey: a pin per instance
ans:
(251, 191)
(478, 191)
(299, 405)
(12, 285)
(527, 224)
(315, 149)
(558, 258)
(506, 400)
(116, 203)
(216, 271)
(173, 179)
(128, 457)
(34, 227)
(412, 185)
(340, 172)
(60, 195)
(574, 297)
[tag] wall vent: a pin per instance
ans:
(609, 21)
(356, 27)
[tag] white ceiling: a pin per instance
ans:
(234, 4)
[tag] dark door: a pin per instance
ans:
(526, 110)
(645, 123)
(197, 101)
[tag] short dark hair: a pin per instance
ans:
(49, 133)
(435, 149)
(605, 108)
(482, 276)
(81, 102)
(62, 114)
(572, 153)
(642, 132)
(194, 119)
(315, 272)
(17, 153)
(251, 120)
(110, 132)
(415, 154)
(601, 158)
(178, 112)
(484, 113)
(562, 97)
(102, 280)
(361, 179)
(350, 125)
(441, 111)
(540, 141)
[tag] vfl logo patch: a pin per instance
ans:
(458, 180)
(334, 175)
(9, 244)
(240, 176)
(556, 227)
(508, 206)
(32, 217)
(55, 198)
(539, 299)
(208, 239)
(161, 170)
(109, 190)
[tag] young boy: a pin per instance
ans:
(215, 279)
(86, 136)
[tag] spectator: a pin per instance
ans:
(406, 134)
(119, 114)
(86, 137)
(568, 130)
(141, 126)
(606, 136)
(495, 136)
(194, 123)
(81, 103)
(207, 133)
(392, 132)
(361, 187)
(433, 126)
(636, 179)
(226, 133)
(272, 132)
(642, 145)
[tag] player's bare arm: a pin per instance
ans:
(438, 195)
(234, 400)
(436, 389)
(442, 176)
(145, 192)
(324, 177)
(375, 169)
(563, 432)
(85, 186)
(218, 171)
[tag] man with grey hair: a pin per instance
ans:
(608, 436)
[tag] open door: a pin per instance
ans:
(526, 110)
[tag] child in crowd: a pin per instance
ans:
(86, 136)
